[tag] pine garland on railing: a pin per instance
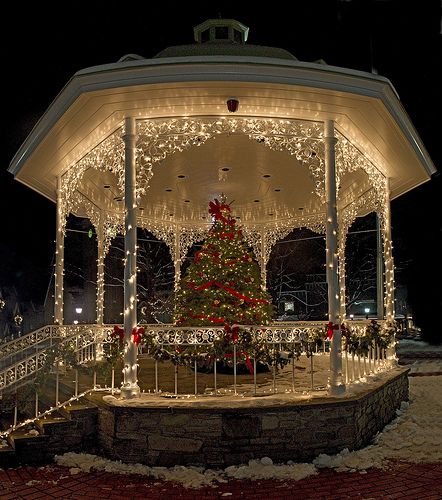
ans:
(376, 334)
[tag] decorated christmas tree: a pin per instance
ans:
(222, 287)
(223, 284)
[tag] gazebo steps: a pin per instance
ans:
(71, 428)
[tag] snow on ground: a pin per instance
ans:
(426, 366)
(414, 436)
(409, 345)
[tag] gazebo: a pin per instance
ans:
(148, 142)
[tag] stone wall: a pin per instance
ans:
(217, 437)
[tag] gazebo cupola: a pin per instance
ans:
(221, 30)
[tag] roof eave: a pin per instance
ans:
(310, 74)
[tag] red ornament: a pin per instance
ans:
(232, 105)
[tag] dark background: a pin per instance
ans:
(44, 45)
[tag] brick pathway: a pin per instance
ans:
(402, 481)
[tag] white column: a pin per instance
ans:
(341, 260)
(336, 384)
(130, 388)
(263, 261)
(59, 258)
(100, 289)
(388, 258)
(100, 272)
(177, 258)
(379, 270)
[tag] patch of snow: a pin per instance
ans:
(414, 436)
(256, 470)
(33, 432)
(3, 443)
(408, 345)
(32, 482)
(426, 366)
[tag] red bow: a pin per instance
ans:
(330, 328)
(232, 334)
(118, 331)
(136, 334)
(216, 209)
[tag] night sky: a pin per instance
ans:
(42, 48)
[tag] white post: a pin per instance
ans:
(263, 261)
(341, 254)
(336, 384)
(379, 270)
(130, 387)
(177, 258)
(100, 272)
(388, 257)
(100, 290)
(59, 257)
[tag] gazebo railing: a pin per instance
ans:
(42, 336)
(22, 360)
(17, 362)
(88, 341)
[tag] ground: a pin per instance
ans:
(405, 463)
(402, 481)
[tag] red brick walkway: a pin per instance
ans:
(402, 481)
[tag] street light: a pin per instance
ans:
(366, 310)
(78, 310)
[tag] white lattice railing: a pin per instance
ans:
(36, 338)
(14, 371)
(88, 337)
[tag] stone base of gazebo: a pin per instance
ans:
(227, 430)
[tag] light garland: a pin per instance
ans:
(159, 138)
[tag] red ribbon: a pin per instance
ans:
(227, 289)
(248, 362)
(202, 316)
(137, 332)
(118, 331)
(330, 328)
(228, 236)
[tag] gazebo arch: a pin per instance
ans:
(157, 139)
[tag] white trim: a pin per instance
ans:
(223, 68)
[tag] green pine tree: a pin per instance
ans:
(222, 287)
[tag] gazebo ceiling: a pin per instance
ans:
(265, 185)
(94, 103)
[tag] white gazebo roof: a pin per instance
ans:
(275, 95)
